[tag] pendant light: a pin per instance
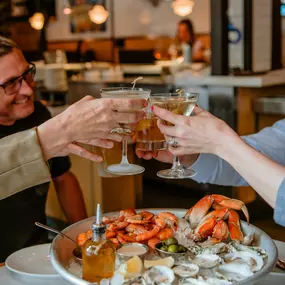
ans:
(67, 10)
(98, 14)
(183, 7)
(37, 21)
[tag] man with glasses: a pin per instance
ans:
(19, 112)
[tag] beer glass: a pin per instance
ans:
(124, 167)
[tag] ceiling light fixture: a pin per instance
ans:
(183, 7)
(98, 14)
(67, 10)
(37, 21)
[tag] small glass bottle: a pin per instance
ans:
(98, 256)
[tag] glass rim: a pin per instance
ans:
(169, 94)
(109, 89)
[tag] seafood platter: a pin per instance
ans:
(208, 244)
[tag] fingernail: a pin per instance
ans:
(152, 108)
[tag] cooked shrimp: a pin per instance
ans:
(136, 229)
(127, 213)
(129, 237)
(110, 234)
(153, 242)
(164, 234)
(166, 218)
(115, 241)
(117, 226)
(149, 234)
(82, 238)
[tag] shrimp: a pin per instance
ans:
(127, 213)
(83, 237)
(115, 241)
(164, 234)
(149, 234)
(110, 234)
(117, 226)
(153, 242)
(136, 229)
(129, 237)
(166, 218)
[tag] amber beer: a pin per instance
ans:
(110, 156)
(148, 135)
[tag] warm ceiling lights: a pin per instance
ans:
(37, 21)
(98, 14)
(183, 7)
(67, 10)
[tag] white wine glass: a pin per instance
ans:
(181, 104)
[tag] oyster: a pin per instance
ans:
(182, 232)
(159, 275)
(207, 260)
(201, 281)
(186, 270)
(252, 257)
(192, 281)
(248, 239)
(135, 281)
(216, 249)
(235, 270)
(216, 281)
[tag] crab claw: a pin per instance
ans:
(204, 230)
(196, 213)
(234, 226)
(221, 230)
(231, 204)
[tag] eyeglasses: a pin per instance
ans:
(13, 86)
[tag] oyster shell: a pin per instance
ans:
(216, 249)
(159, 275)
(135, 281)
(183, 230)
(235, 270)
(201, 281)
(207, 260)
(186, 270)
(248, 255)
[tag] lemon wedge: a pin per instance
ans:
(168, 261)
(133, 267)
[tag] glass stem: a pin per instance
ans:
(125, 151)
(176, 163)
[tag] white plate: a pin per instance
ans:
(32, 262)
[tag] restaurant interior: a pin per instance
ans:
(235, 64)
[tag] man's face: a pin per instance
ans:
(18, 105)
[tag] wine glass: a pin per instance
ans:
(124, 167)
(181, 104)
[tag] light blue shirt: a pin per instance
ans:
(270, 141)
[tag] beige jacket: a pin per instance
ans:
(21, 163)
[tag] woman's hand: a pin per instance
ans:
(203, 133)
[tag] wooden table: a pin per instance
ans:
(2, 264)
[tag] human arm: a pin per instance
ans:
(24, 155)
(204, 133)
(70, 196)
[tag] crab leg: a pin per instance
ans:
(234, 226)
(198, 211)
(231, 204)
(221, 230)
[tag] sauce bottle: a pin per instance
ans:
(98, 254)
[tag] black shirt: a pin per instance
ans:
(19, 212)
